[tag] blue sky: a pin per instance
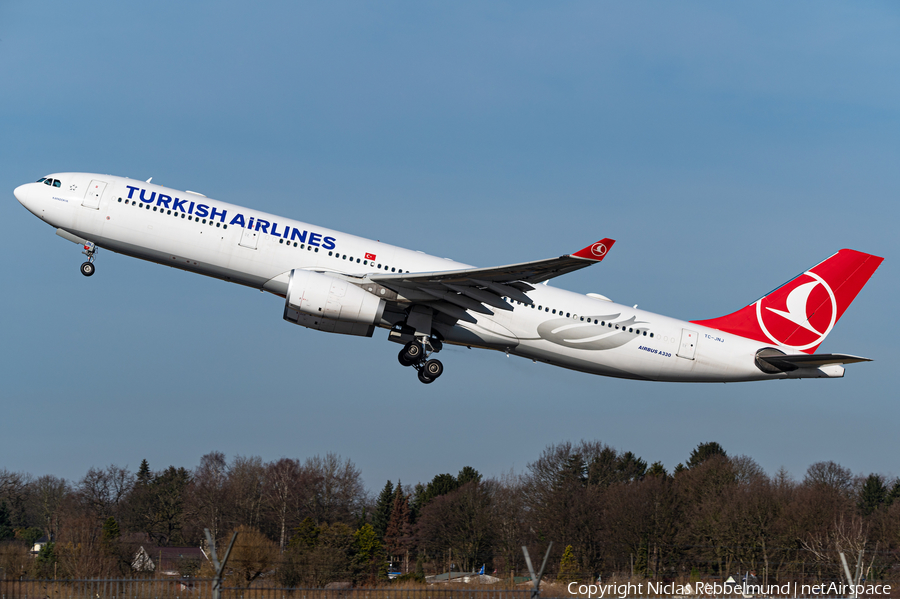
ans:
(726, 146)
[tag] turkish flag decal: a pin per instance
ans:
(370, 256)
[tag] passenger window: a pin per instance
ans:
(393, 269)
(154, 209)
(651, 334)
(357, 260)
(567, 315)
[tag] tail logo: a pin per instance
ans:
(599, 249)
(800, 314)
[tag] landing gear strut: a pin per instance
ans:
(88, 268)
(415, 354)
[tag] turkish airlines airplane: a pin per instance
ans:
(340, 283)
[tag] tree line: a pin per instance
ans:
(608, 513)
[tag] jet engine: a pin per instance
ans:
(330, 304)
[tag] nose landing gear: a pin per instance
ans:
(88, 268)
(415, 354)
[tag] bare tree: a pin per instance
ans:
(209, 494)
(282, 495)
(334, 490)
(47, 494)
(14, 488)
(849, 534)
(103, 491)
(461, 521)
(509, 516)
(831, 475)
(246, 477)
(253, 555)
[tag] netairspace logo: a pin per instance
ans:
(718, 589)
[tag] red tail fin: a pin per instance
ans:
(799, 314)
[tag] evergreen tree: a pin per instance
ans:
(441, 484)
(873, 494)
(6, 529)
(45, 560)
(568, 566)
(467, 475)
(369, 555)
(573, 472)
(144, 476)
(383, 509)
(657, 469)
(306, 536)
(703, 452)
(397, 536)
(630, 467)
(110, 532)
(894, 495)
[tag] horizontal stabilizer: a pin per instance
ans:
(793, 362)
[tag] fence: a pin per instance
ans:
(196, 588)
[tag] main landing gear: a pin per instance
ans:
(88, 268)
(415, 354)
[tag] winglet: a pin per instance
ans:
(596, 251)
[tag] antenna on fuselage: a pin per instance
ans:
(150, 179)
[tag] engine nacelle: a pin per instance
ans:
(330, 304)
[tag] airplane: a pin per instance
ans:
(340, 283)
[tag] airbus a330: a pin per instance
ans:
(340, 283)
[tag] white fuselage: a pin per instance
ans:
(191, 232)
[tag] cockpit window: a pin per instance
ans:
(56, 183)
(41, 180)
(49, 181)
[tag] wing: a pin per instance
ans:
(453, 292)
(787, 363)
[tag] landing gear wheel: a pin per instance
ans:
(413, 352)
(433, 369)
(87, 269)
(404, 361)
(425, 378)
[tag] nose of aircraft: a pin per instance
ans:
(21, 193)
